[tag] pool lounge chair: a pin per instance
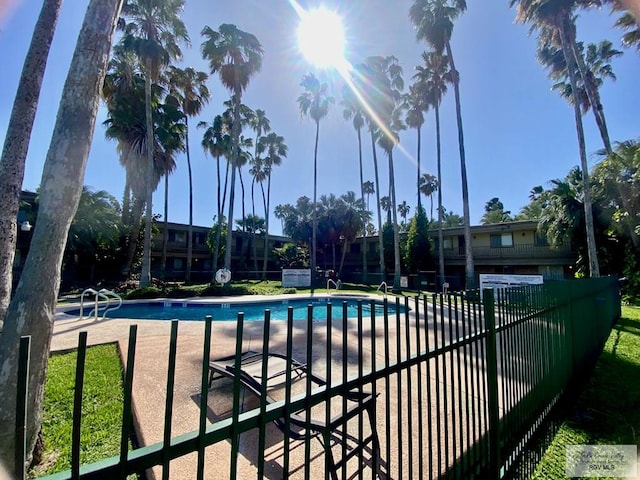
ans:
(251, 365)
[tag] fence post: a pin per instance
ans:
(24, 357)
(492, 383)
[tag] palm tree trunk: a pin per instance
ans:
(187, 275)
(469, 267)
(380, 239)
(266, 229)
(594, 268)
(315, 209)
(365, 280)
(235, 148)
(418, 178)
(396, 228)
(145, 275)
(244, 215)
(253, 231)
(32, 308)
(165, 233)
(439, 167)
(16, 142)
(134, 232)
(590, 88)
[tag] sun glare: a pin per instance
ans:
(321, 38)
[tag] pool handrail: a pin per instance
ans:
(329, 282)
(99, 294)
(109, 308)
(383, 284)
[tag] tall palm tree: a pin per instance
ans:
(188, 87)
(236, 56)
(416, 104)
(555, 22)
(259, 123)
(60, 192)
(428, 186)
(217, 141)
(314, 103)
(273, 149)
(16, 141)
(352, 110)
(434, 75)
(258, 175)
(434, 21)
(153, 30)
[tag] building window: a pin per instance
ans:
(540, 240)
(500, 240)
(238, 244)
(447, 243)
(178, 264)
(177, 237)
(355, 248)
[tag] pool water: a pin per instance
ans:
(183, 310)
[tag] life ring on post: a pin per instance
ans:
(223, 276)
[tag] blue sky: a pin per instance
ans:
(518, 133)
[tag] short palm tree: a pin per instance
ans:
(188, 87)
(236, 56)
(434, 21)
(428, 186)
(153, 30)
(314, 103)
(273, 150)
(403, 210)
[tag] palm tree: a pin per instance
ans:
(314, 103)
(60, 192)
(189, 88)
(258, 175)
(434, 21)
(274, 150)
(217, 141)
(16, 141)
(353, 111)
(236, 56)
(429, 186)
(416, 106)
(353, 217)
(403, 210)
(631, 37)
(556, 25)
(153, 30)
(434, 77)
(369, 189)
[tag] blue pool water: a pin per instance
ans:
(184, 310)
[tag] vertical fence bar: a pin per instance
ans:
(168, 406)
(492, 385)
(399, 386)
(445, 382)
(263, 391)
(125, 431)
(360, 390)
(460, 389)
(327, 411)
(437, 380)
(387, 387)
(307, 440)
(24, 357)
(235, 412)
(77, 405)
(409, 395)
(428, 350)
(467, 390)
(287, 393)
(420, 398)
(374, 369)
(204, 391)
(345, 362)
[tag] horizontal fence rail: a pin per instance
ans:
(441, 386)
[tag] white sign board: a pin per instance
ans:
(296, 277)
(499, 281)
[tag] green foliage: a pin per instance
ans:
(418, 247)
(387, 240)
(494, 212)
(631, 271)
(102, 408)
(145, 292)
(293, 256)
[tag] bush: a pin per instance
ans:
(146, 292)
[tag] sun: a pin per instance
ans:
(321, 37)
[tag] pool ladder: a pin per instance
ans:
(383, 288)
(329, 283)
(100, 295)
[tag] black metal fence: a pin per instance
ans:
(440, 386)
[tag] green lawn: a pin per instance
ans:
(607, 411)
(101, 414)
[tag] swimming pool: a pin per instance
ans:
(223, 312)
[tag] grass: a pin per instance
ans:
(101, 414)
(606, 412)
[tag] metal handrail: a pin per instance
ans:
(329, 282)
(101, 294)
(383, 284)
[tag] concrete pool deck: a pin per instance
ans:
(150, 377)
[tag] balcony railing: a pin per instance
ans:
(516, 252)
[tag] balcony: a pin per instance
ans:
(517, 253)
